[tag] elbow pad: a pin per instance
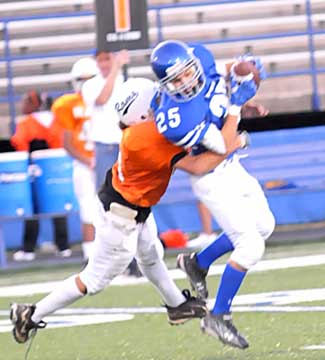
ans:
(213, 140)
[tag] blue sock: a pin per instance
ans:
(209, 254)
(229, 285)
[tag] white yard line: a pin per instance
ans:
(265, 265)
(314, 347)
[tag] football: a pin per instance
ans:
(243, 68)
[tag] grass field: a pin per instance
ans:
(148, 336)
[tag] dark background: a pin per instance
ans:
(283, 121)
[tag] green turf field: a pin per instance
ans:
(149, 337)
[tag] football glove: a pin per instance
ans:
(257, 62)
(242, 92)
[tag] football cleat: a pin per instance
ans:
(222, 327)
(24, 326)
(195, 274)
(190, 309)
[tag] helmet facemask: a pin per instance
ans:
(185, 90)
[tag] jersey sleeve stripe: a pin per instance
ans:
(193, 137)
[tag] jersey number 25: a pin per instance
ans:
(173, 119)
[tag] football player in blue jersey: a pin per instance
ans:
(193, 106)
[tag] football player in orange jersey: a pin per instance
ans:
(70, 113)
(125, 227)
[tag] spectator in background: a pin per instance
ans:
(97, 94)
(70, 113)
(36, 131)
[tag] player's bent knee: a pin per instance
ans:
(257, 253)
(248, 256)
(94, 285)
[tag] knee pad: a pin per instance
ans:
(249, 250)
(105, 264)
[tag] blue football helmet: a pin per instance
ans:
(178, 71)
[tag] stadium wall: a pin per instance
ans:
(295, 161)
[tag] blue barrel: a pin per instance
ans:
(15, 187)
(52, 185)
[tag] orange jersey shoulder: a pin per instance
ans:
(70, 113)
(143, 170)
(67, 109)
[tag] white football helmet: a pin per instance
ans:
(82, 70)
(133, 99)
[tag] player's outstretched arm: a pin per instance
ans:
(220, 141)
(207, 161)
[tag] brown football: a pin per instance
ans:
(245, 67)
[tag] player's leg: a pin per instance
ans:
(219, 321)
(196, 265)
(231, 207)
(240, 223)
(115, 246)
(61, 235)
(85, 191)
(180, 305)
(150, 254)
(265, 221)
(209, 189)
(31, 229)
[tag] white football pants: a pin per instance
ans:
(238, 204)
(118, 240)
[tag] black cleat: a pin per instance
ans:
(21, 317)
(195, 274)
(222, 327)
(190, 309)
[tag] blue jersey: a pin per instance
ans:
(185, 123)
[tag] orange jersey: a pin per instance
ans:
(144, 167)
(31, 128)
(69, 113)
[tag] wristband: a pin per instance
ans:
(234, 110)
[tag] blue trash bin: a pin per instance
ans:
(15, 186)
(52, 184)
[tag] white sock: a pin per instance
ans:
(87, 248)
(63, 295)
(158, 274)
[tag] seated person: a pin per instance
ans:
(35, 131)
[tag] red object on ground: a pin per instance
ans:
(174, 238)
